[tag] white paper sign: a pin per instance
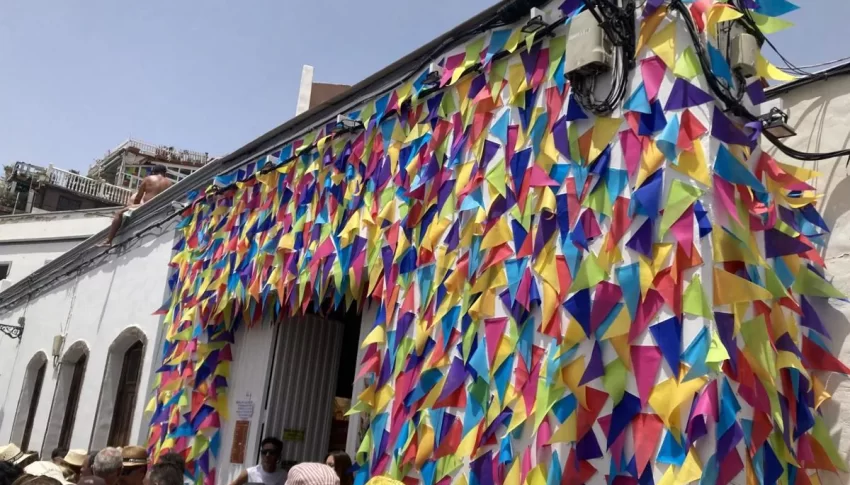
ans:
(244, 410)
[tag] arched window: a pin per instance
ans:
(125, 400)
(119, 391)
(69, 386)
(73, 401)
(28, 402)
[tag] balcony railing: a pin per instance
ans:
(86, 186)
(162, 153)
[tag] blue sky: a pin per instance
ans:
(77, 77)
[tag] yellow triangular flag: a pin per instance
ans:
(604, 130)
(768, 71)
(721, 12)
(663, 44)
(692, 164)
(691, 470)
(730, 288)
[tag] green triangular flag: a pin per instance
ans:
(589, 274)
(694, 302)
(810, 284)
(681, 196)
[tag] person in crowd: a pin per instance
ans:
(164, 474)
(9, 473)
(26, 479)
(383, 481)
(73, 460)
(176, 460)
(91, 480)
(58, 455)
(312, 474)
(135, 465)
(341, 463)
(107, 465)
(46, 469)
(85, 470)
(150, 187)
(12, 454)
(268, 471)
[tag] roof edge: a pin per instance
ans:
(159, 206)
(837, 70)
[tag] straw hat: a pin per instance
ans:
(46, 469)
(133, 456)
(383, 481)
(12, 454)
(76, 458)
(312, 474)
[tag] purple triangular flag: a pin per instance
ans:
(723, 129)
(641, 240)
(685, 95)
(595, 368)
(811, 319)
(777, 243)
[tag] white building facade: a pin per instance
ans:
(29, 241)
(285, 375)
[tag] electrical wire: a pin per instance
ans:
(820, 64)
(731, 102)
(618, 24)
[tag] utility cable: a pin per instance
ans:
(732, 103)
(618, 25)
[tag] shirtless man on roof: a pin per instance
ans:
(150, 187)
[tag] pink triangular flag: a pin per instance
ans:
(652, 69)
(683, 230)
(724, 192)
(646, 360)
(632, 149)
(494, 328)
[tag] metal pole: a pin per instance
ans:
(15, 207)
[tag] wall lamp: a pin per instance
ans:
(775, 122)
(14, 332)
(536, 22)
(346, 125)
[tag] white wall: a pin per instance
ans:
(28, 241)
(94, 308)
(820, 113)
(26, 258)
(43, 225)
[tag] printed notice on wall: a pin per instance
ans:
(244, 410)
(240, 441)
(293, 434)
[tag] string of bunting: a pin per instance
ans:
(562, 298)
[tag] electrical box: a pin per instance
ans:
(58, 343)
(744, 54)
(589, 51)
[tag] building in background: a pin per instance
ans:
(28, 241)
(130, 162)
(111, 181)
(312, 94)
(31, 188)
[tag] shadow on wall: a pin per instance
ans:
(835, 411)
(823, 124)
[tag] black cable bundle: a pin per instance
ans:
(619, 25)
(731, 100)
